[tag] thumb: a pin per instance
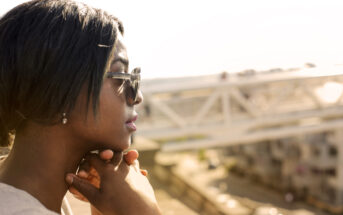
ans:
(131, 156)
(83, 187)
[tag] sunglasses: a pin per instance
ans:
(131, 82)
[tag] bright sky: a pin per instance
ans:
(194, 37)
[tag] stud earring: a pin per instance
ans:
(64, 118)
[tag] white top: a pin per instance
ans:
(14, 201)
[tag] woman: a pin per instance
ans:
(65, 91)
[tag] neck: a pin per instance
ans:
(38, 163)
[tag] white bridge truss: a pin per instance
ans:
(210, 112)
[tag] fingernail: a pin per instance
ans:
(106, 154)
(69, 179)
(82, 174)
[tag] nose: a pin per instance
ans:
(139, 98)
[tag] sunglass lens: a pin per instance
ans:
(131, 92)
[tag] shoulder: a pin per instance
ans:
(14, 201)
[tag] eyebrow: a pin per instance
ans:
(122, 60)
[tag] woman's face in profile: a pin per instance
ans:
(112, 127)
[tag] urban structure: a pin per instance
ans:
(283, 128)
(305, 167)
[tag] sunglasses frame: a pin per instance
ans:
(133, 78)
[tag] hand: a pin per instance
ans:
(88, 172)
(123, 189)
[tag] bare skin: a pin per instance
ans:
(90, 174)
(43, 155)
(39, 170)
(136, 194)
(34, 185)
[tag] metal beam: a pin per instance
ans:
(228, 140)
(174, 117)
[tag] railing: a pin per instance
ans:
(216, 112)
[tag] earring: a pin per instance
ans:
(64, 118)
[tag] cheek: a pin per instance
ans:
(111, 110)
(108, 127)
(111, 114)
(111, 120)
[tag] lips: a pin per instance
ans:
(130, 124)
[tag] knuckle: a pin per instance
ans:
(81, 184)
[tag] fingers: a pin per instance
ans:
(83, 174)
(98, 164)
(124, 167)
(85, 168)
(136, 165)
(106, 154)
(94, 165)
(77, 194)
(84, 187)
(84, 165)
(117, 158)
(131, 156)
(144, 172)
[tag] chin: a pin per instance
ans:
(127, 143)
(122, 145)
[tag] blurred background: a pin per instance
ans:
(243, 103)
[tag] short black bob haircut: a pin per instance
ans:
(50, 50)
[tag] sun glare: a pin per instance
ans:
(330, 92)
